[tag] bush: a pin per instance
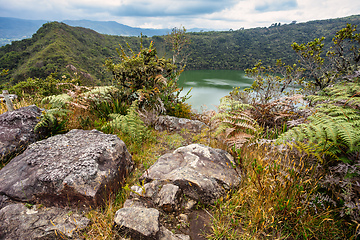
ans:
(145, 78)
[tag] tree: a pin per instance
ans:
(179, 40)
(345, 54)
(342, 58)
(146, 78)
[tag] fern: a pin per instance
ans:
(335, 125)
(130, 124)
(50, 124)
(53, 121)
(235, 122)
(57, 101)
(99, 94)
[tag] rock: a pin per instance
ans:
(174, 185)
(4, 201)
(134, 202)
(183, 218)
(20, 222)
(79, 168)
(165, 234)
(139, 223)
(176, 124)
(17, 130)
(201, 172)
(190, 204)
(168, 197)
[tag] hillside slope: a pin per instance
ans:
(241, 49)
(55, 46)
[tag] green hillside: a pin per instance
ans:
(241, 49)
(57, 45)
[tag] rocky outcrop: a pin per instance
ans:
(36, 222)
(17, 130)
(201, 172)
(78, 168)
(62, 174)
(172, 187)
(171, 123)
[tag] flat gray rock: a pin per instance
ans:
(78, 168)
(138, 222)
(20, 222)
(171, 123)
(201, 172)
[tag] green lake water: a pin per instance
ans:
(208, 86)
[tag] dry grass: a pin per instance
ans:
(17, 104)
(278, 199)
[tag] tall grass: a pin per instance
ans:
(279, 198)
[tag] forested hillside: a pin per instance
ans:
(241, 49)
(57, 45)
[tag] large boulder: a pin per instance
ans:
(20, 222)
(79, 168)
(17, 130)
(201, 172)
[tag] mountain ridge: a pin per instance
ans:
(56, 45)
(12, 29)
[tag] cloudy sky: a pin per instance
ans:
(207, 14)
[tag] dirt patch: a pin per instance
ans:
(199, 224)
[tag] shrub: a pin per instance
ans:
(144, 77)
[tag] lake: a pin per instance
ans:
(211, 85)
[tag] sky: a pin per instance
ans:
(204, 14)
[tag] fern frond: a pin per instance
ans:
(130, 124)
(335, 125)
(49, 123)
(235, 122)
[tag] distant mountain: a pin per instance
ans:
(12, 29)
(115, 28)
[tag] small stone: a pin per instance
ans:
(183, 218)
(165, 234)
(137, 191)
(190, 204)
(167, 198)
(171, 123)
(134, 202)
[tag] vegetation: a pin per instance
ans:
(304, 185)
(300, 165)
(56, 46)
(145, 78)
